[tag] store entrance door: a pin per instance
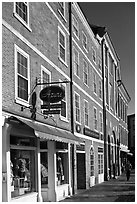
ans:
(81, 171)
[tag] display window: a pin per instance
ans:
(44, 169)
(61, 163)
(22, 167)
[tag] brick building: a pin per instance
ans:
(47, 157)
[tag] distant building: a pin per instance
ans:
(131, 138)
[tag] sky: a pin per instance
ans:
(119, 19)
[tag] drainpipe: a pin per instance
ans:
(104, 112)
(71, 95)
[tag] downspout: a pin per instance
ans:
(71, 94)
(104, 112)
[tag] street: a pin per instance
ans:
(114, 190)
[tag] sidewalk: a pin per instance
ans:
(114, 190)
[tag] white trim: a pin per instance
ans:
(94, 82)
(27, 25)
(60, 31)
(63, 16)
(83, 34)
(57, 17)
(75, 93)
(94, 51)
(101, 121)
(74, 49)
(22, 52)
(91, 63)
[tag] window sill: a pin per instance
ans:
(64, 119)
(85, 49)
(23, 22)
(22, 102)
(76, 36)
(63, 61)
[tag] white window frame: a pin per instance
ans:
(94, 55)
(65, 48)
(99, 65)
(62, 117)
(79, 122)
(85, 69)
(86, 113)
(62, 15)
(100, 89)
(22, 52)
(100, 163)
(27, 25)
(76, 27)
(74, 61)
(95, 119)
(101, 121)
(94, 83)
(83, 34)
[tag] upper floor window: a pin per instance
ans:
(76, 62)
(101, 121)
(46, 77)
(100, 89)
(106, 56)
(21, 11)
(84, 40)
(95, 118)
(94, 83)
(85, 72)
(62, 8)
(86, 110)
(94, 55)
(77, 107)
(75, 27)
(62, 45)
(99, 65)
(64, 102)
(22, 79)
(111, 62)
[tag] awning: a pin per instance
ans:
(44, 131)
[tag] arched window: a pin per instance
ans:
(91, 162)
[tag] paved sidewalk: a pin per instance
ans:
(114, 190)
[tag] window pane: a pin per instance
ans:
(22, 88)
(21, 10)
(22, 169)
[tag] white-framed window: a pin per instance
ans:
(92, 172)
(99, 64)
(63, 113)
(86, 112)
(94, 55)
(22, 76)
(21, 12)
(77, 107)
(100, 163)
(85, 72)
(101, 121)
(100, 89)
(76, 62)
(94, 83)
(62, 45)
(95, 118)
(62, 8)
(75, 27)
(46, 78)
(84, 40)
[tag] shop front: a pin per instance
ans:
(36, 161)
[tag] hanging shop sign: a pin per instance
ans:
(46, 112)
(52, 94)
(51, 106)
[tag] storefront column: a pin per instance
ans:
(51, 171)
(75, 169)
(39, 198)
(69, 173)
(6, 187)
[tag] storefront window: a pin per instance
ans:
(44, 169)
(62, 163)
(22, 166)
